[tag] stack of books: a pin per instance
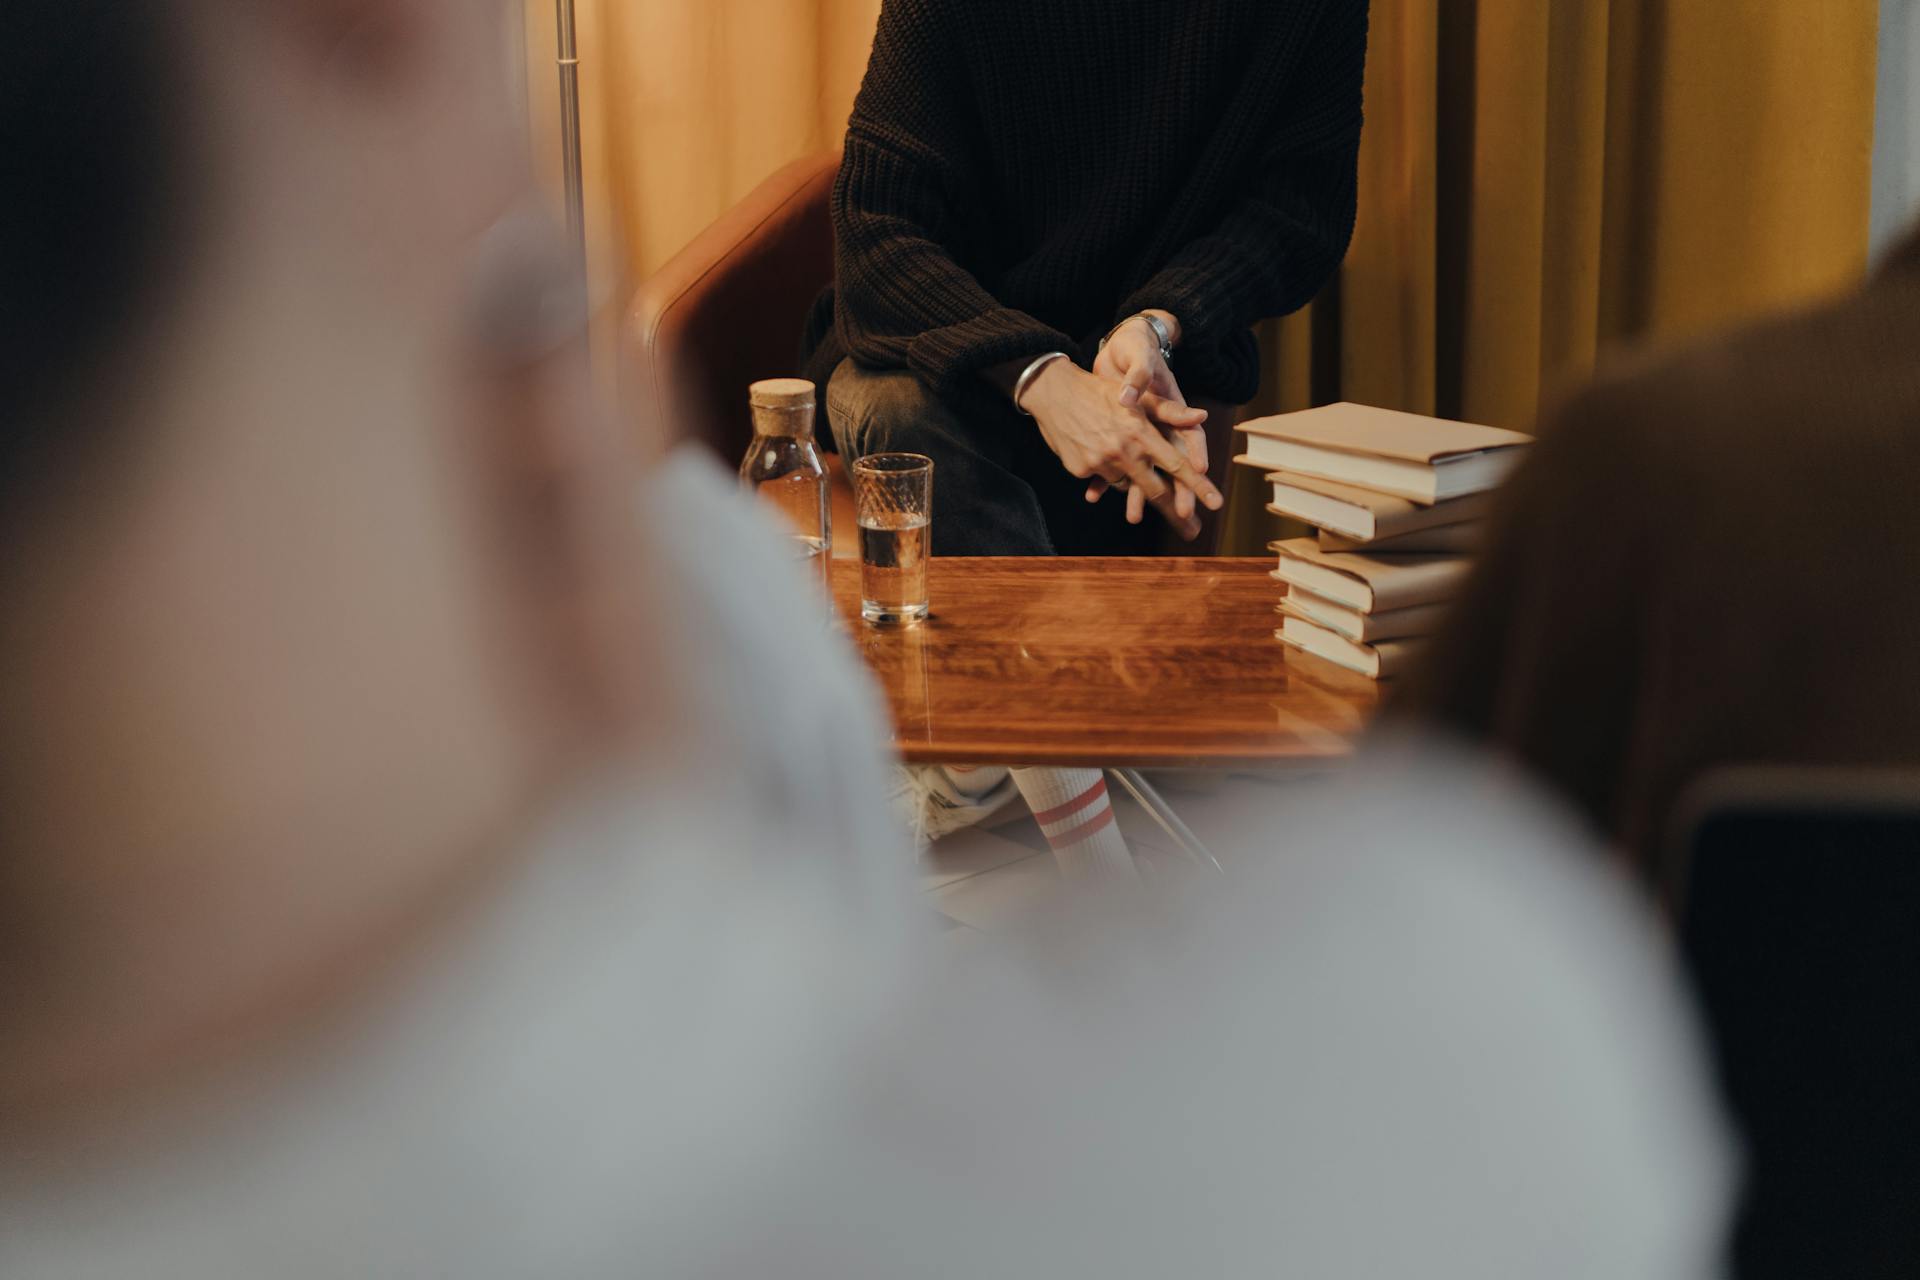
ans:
(1399, 502)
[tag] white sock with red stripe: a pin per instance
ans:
(1075, 814)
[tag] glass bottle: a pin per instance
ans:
(783, 469)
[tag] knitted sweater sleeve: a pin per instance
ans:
(903, 299)
(1283, 241)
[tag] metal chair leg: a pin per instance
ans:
(1164, 817)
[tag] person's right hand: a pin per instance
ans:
(1096, 438)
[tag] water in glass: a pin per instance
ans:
(893, 566)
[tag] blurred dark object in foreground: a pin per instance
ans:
(95, 164)
(1798, 892)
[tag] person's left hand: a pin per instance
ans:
(1132, 361)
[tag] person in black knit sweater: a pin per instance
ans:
(1054, 228)
(1024, 180)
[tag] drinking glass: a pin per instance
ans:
(893, 493)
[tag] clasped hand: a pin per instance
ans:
(1126, 424)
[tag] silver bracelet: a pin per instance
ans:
(1161, 333)
(1031, 372)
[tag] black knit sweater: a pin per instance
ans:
(1022, 174)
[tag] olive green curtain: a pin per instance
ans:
(1544, 179)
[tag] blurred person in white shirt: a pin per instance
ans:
(414, 862)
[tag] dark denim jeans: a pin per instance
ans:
(997, 489)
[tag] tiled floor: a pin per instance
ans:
(983, 879)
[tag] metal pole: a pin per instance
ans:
(569, 61)
(1150, 799)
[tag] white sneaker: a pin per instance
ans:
(932, 802)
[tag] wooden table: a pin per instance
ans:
(1121, 664)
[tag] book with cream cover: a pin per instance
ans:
(1426, 460)
(1447, 539)
(1365, 515)
(1363, 628)
(1370, 583)
(1380, 661)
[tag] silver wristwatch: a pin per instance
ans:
(1161, 333)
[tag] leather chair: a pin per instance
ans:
(728, 311)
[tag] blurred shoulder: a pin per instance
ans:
(768, 692)
(1844, 365)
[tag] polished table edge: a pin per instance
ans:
(1265, 562)
(1228, 762)
(1327, 749)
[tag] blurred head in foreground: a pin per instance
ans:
(308, 589)
(312, 598)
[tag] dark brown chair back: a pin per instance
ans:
(1798, 893)
(729, 308)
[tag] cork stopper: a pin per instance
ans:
(782, 393)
